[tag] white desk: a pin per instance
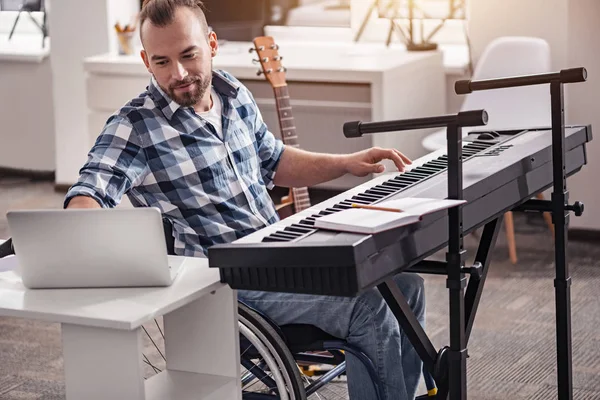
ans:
(24, 48)
(102, 339)
(329, 83)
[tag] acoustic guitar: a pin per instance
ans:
(270, 61)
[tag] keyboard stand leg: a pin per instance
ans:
(477, 278)
(409, 324)
(560, 216)
(456, 281)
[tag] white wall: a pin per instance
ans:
(584, 105)
(571, 27)
(548, 19)
(78, 29)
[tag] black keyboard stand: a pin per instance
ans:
(558, 206)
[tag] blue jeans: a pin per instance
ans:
(364, 321)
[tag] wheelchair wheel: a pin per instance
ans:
(268, 369)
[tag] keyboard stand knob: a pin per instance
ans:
(577, 208)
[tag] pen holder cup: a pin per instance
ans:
(125, 43)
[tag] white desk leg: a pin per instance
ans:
(202, 337)
(102, 363)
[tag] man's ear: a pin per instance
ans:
(144, 56)
(213, 43)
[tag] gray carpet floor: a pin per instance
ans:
(512, 347)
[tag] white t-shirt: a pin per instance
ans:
(214, 114)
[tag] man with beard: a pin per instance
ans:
(195, 146)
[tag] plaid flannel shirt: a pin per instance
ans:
(163, 155)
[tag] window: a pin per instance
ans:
(10, 5)
(321, 13)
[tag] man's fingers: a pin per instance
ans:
(404, 158)
(397, 159)
(377, 154)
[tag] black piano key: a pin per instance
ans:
(435, 166)
(304, 225)
(409, 176)
(438, 163)
(405, 180)
(422, 169)
(368, 197)
(428, 170)
(391, 190)
(359, 201)
(274, 239)
(380, 191)
(335, 209)
(478, 146)
(395, 185)
(416, 174)
(325, 212)
(298, 229)
(285, 235)
(384, 189)
(397, 181)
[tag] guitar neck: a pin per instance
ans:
(290, 138)
(286, 119)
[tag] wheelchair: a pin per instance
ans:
(275, 359)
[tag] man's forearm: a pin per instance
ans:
(83, 202)
(299, 168)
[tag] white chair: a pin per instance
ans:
(520, 107)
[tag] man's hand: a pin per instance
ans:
(367, 161)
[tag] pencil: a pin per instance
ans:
(376, 208)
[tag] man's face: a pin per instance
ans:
(179, 56)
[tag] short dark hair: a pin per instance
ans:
(162, 12)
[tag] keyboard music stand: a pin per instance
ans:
(448, 366)
(558, 205)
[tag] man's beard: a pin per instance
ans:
(189, 99)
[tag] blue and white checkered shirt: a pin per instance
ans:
(164, 155)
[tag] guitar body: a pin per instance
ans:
(285, 207)
(297, 199)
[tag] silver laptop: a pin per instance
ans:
(78, 248)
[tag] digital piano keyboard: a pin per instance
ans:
(501, 169)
